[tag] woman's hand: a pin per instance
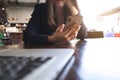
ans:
(66, 35)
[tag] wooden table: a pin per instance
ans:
(95, 58)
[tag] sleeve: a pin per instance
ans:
(82, 34)
(30, 35)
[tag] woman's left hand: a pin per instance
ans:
(73, 31)
(62, 35)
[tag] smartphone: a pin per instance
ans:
(73, 19)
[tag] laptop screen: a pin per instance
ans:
(32, 64)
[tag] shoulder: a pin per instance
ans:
(40, 6)
(39, 9)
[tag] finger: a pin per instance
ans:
(74, 30)
(69, 30)
(77, 28)
(71, 37)
(60, 28)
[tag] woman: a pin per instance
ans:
(48, 20)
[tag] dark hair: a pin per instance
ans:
(51, 12)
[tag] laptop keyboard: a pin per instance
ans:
(15, 68)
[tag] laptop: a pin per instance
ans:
(33, 64)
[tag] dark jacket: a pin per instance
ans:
(38, 30)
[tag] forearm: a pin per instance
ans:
(35, 39)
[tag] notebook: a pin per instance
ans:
(33, 64)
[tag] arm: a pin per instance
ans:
(35, 33)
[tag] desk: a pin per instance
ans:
(95, 59)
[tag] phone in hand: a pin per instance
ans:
(73, 19)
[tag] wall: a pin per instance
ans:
(21, 13)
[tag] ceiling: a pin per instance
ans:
(21, 2)
(94, 6)
(112, 11)
(91, 8)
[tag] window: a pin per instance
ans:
(101, 15)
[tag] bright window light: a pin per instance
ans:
(91, 10)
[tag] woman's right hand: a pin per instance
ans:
(62, 35)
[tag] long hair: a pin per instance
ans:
(51, 11)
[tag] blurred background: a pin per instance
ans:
(99, 16)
